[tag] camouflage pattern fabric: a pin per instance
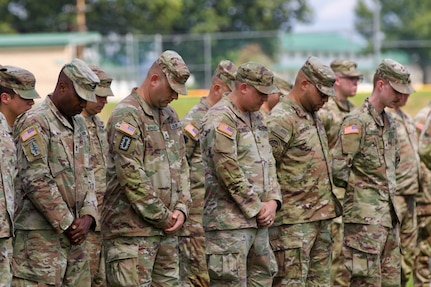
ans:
(422, 272)
(7, 175)
(55, 185)
(240, 258)
(332, 114)
(372, 255)
(99, 151)
(408, 176)
(303, 253)
(239, 176)
(300, 148)
(148, 175)
(193, 269)
(364, 160)
(142, 261)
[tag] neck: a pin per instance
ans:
(377, 104)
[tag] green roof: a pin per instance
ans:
(48, 39)
(319, 42)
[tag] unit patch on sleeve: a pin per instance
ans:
(125, 143)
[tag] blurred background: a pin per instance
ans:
(125, 36)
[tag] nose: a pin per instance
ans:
(264, 97)
(82, 103)
(174, 95)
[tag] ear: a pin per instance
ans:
(243, 88)
(5, 98)
(304, 85)
(154, 80)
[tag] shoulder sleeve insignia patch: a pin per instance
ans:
(191, 130)
(28, 133)
(127, 128)
(226, 129)
(351, 130)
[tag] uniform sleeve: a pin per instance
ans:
(191, 138)
(184, 198)
(274, 192)
(345, 149)
(37, 176)
(228, 169)
(425, 143)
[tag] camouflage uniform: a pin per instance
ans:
(99, 151)
(239, 177)
(7, 172)
(408, 177)
(364, 161)
(193, 268)
(148, 178)
(300, 236)
(55, 186)
(422, 269)
(332, 115)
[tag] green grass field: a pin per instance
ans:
(417, 101)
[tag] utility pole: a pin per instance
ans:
(81, 23)
(376, 32)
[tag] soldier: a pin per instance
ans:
(241, 191)
(284, 87)
(193, 268)
(148, 189)
(16, 96)
(99, 152)
(408, 178)
(55, 201)
(17, 92)
(331, 115)
(364, 161)
(300, 236)
(422, 268)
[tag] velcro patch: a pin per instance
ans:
(351, 130)
(280, 132)
(127, 128)
(125, 143)
(28, 133)
(191, 130)
(226, 129)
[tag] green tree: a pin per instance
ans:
(405, 25)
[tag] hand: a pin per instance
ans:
(78, 230)
(266, 215)
(177, 218)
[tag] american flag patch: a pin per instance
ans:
(351, 130)
(192, 130)
(226, 129)
(28, 133)
(126, 128)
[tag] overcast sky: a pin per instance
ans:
(330, 15)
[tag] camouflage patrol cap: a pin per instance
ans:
(283, 85)
(175, 69)
(258, 76)
(83, 78)
(103, 89)
(346, 67)
(397, 75)
(226, 71)
(20, 81)
(320, 75)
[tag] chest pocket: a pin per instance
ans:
(58, 157)
(373, 148)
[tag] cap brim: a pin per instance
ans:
(179, 88)
(402, 88)
(272, 89)
(103, 92)
(85, 94)
(352, 74)
(27, 94)
(329, 91)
